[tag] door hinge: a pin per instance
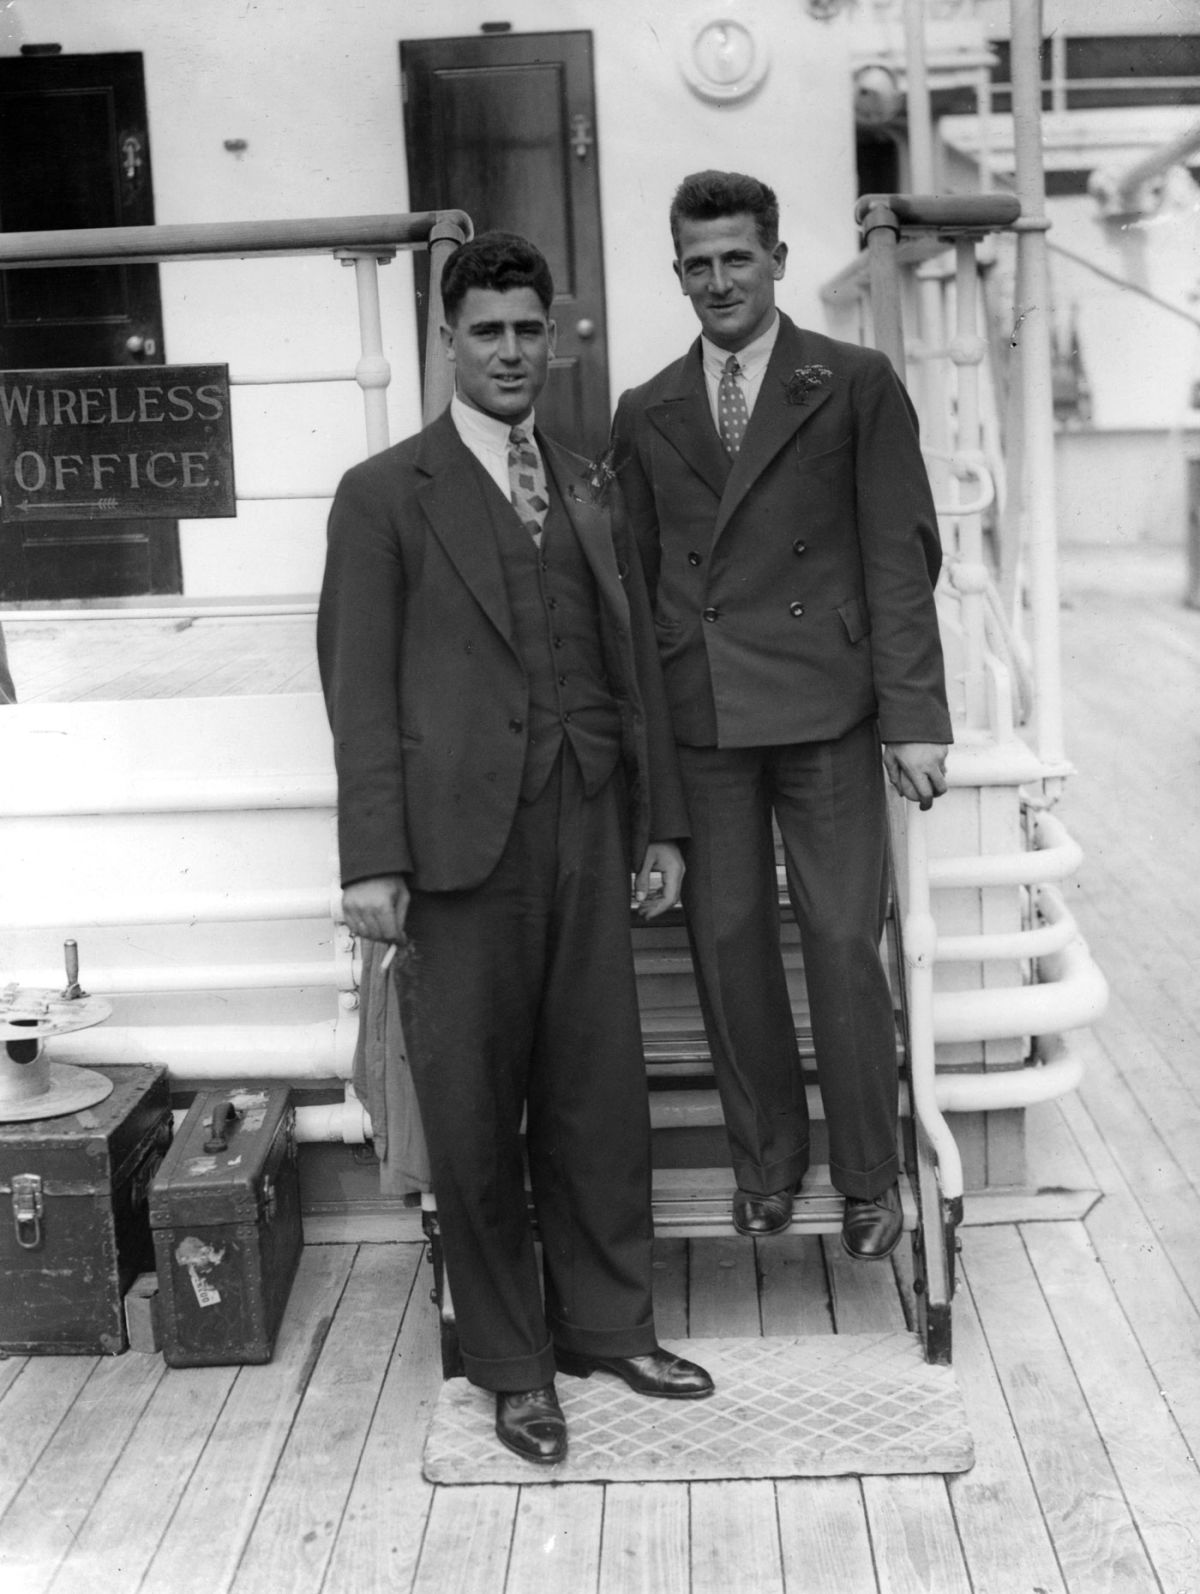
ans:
(582, 137)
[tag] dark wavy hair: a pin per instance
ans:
(497, 261)
(705, 196)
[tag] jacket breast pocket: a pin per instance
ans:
(855, 617)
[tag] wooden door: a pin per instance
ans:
(74, 152)
(503, 126)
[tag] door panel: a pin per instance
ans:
(503, 127)
(74, 152)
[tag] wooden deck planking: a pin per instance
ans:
(115, 1544)
(997, 1493)
(556, 1539)
(1156, 1471)
(41, 1526)
(646, 1548)
(824, 1536)
(297, 1527)
(382, 1528)
(468, 1540)
(231, 1478)
(735, 1538)
(1096, 1540)
(34, 1398)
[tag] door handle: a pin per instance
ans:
(141, 348)
(585, 329)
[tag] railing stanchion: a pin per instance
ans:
(439, 377)
(372, 373)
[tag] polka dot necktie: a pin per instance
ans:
(527, 482)
(732, 415)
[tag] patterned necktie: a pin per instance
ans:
(527, 482)
(732, 415)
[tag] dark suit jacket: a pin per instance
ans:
(800, 583)
(426, 695)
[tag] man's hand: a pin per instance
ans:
(376, 908)
(665, 858)
(917, 770)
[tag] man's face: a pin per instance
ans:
(501, 345)
(729, 277)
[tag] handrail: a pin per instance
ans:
(225, 240)
(994, 212)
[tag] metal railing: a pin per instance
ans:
(363, 242)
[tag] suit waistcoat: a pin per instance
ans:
(556, 626)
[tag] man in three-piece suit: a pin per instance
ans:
(504, 753)
(776, 488)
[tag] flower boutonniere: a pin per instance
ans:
(804, 380)
(598, 478)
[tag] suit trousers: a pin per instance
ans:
(519, 997)
(828, 801)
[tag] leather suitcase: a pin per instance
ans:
(225, 1213)
(74, 1225)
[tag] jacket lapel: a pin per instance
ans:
(456, 503)
(774, 421)
(684, 417)
(590, 521)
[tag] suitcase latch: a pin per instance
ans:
(28, 1206)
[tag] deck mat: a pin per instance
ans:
(817, 1406)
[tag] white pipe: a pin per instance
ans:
(339, 1122)
(166, 794)
(178, 907)
(108, 981)
(1011, 1087)
(1007, 944)
(322, 1050)
(920, 951)
(264, 610)
(347, 1122)
(1057, 855)
(1073, 993)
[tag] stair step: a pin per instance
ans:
(697, 1202)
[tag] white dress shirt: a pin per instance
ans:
(752, 359)
(487, 438)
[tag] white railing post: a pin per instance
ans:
(970, 573)
(920, 955)
(372, 373)
(1031, 338)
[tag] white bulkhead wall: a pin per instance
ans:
(313, 89)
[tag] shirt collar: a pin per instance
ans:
(485, 431)
(752, 359)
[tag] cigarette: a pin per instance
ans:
(389, 957)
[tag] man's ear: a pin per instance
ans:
(779, 257)
(447, 336)
(551, 336)
(679, 274)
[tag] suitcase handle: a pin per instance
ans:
(224, 1116)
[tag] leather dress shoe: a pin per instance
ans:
(871, 1229)
(757, 1215)
(656, 1373)
(531, 1423)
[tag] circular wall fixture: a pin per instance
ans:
(724, 57)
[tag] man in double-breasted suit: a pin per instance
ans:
(776, 488)
(504, 753)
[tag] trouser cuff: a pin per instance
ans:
(637, 1341)
(511, 1374)
(765, 1178)
(865, 1186)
